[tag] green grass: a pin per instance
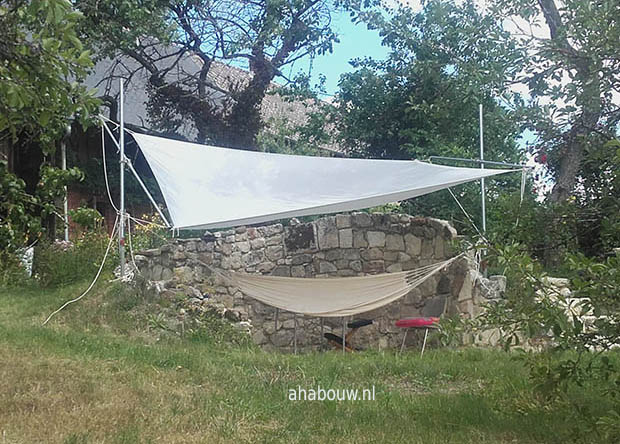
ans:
(99, 373)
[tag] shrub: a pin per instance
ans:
(62, 263)
(87, 218)
(576, 353)
(149, 234)
(12, 272)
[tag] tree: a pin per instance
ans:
(161, 36)
(574, 67)
(41, 63)
(423, 99)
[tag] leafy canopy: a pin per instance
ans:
(41, 63)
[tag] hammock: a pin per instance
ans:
(332, 297)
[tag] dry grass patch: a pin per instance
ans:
(50, 399)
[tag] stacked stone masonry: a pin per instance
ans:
(342, 245)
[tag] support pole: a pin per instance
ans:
(121, 231)
(295, 334)
(65, 200)
(484, 210)
(148, 194)
(322, 335)
(483, 191)
(344, 323)
(424, 343)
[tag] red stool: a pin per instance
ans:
(425, 323)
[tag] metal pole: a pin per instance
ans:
(121, 231)
(424, 343)
(322, 340)
(484, 210)
(344, 321)
(490, 162)
(295, 336)
(148, 194)
(65, 202)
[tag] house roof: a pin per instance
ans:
(275, 109)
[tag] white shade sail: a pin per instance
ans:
(212, 187)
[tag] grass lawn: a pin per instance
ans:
(99, 373)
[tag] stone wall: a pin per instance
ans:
(342, 245)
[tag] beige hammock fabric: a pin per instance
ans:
(332, 297)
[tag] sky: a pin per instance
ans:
(356, 41)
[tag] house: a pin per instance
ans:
(84, 147)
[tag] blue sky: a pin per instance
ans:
(356, 41)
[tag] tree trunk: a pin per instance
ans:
(589, 100)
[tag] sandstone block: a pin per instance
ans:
(298, 271)
(427, 249)
(359, 240)
(343, 220)
(301, 259)
(346, 273)
(166, 274)
(183, 274)
(394, 268)
(265, 267)
(361, 220)
(391, 256)
(327, 233)
(375, 238)
(327, 267)
(179, 255)
(373, 266)
(257, 243)
(253, 258)
(274, 253)
(351, 254)
(334, 254)
(372, 254)
(341, 264)
(281, 270)
(346, 238)
(276, 239)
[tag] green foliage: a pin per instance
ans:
(41, 63)
(210, 328)
(60, 263)
(577, 346)
(512, 221)
(597, 199)
(12, 272)
(149, 234)
(575, 70)
(51, 186)
(21, 213)
(87, 218)
(587, 222)
(283, 137)
(18, 223)
(423, 99)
